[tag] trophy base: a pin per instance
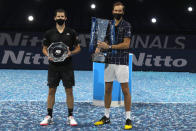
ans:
(99, 57)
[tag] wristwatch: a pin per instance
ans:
(110, 47)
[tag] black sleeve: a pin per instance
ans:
(75, 38)
(46, 41)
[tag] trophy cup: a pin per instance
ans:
(98, 33)
(58, 51)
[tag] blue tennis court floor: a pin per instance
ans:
(161, 101)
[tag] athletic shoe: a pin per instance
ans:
(71, 121)
(103, 120)
(128, 124)
(47, 120)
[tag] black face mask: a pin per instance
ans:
(60, 21)
(117, 16)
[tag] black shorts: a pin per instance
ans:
(67, 78)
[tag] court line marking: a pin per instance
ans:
(92, 102)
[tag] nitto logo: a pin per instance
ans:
(158, 61)
(19, 40)
(24, 58)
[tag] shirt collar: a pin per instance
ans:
(120, 23)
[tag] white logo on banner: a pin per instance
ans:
(23, 57)
(144, 59)
(18, 40)
(157, 61)
(160, 42)
(137, 41)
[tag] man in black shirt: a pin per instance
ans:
(116, 67)
(61, 70)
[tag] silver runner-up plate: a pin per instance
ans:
(58, 51)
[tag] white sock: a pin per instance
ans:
(107, 112)
(128, 115)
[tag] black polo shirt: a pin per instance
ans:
(69, 37)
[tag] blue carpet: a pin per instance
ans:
(161, 101)
(152, 116)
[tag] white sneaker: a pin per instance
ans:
(47, 120)
(71, 121)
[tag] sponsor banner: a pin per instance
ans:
(164, 60)
(22, 58)
(163, 41)
(21, 39)
(31, 39)
(149, 41)
(143, 59)
(33, 58)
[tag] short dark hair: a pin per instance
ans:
(60, 10)
(117, 4)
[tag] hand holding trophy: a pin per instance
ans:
(58, 51)
(98, 33)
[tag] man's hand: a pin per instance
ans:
(97, 50)
(69, 52)
(49, 58)
(103, 45)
